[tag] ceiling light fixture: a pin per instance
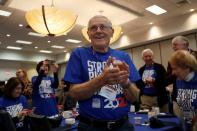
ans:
(156, 10)
(50, 20)
(151, 23)
(73, 41)
(20, 25)
(14, 48)
(58, 47)
(8, 35)
(191, 10)
(24, 42)
(45, 51)
(36, 34)
(5, 13)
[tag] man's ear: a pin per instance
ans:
(88, 34)
(112, 32)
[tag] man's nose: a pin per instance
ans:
(98, 29)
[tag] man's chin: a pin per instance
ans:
(100, 42)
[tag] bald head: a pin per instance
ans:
(108, 22)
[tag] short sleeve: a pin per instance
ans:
(73, 73)
(24, 102)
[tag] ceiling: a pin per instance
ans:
(130, 14)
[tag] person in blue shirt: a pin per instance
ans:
(102, 80)
(15, 103)
(43, 95)
(153, 74)
(184, 67)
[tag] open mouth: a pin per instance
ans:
(99, 36)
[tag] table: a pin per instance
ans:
(142, 127)
(148, 128)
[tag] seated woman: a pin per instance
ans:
(43, 96)
(184, 66)
(15, 103)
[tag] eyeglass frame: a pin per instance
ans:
(102, 27)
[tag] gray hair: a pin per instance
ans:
(100, 16)
(147, 50)
(181, 39)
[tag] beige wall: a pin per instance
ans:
(162, 50)
(8, 69)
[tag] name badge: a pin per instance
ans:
(108, 93)
(96, 103)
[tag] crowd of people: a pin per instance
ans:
(105, 83)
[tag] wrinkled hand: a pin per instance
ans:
(21, 115)
(170, 88)
(114, 74)
(149, 81)
(54, 67)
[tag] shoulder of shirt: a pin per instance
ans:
(1, 99)
(22, 97)
(119, 52)
(195, 75)
(34, 77)
(79, 49)
(158, 64)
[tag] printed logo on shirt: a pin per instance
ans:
(94, 69)
(45, 89)
(186, 99)
(148, 74)
(13, 110)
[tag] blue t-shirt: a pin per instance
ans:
(86, 64)
(187, 97)
(43, 97)
(149, 72)
(13, 106)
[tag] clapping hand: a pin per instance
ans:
(115, 72)
(54, 67)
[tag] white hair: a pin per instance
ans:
(100, 16)
(147, 50)
(181, 40)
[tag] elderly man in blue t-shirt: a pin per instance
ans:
(102, 80)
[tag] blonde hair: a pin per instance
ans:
(25, 78)
(180, 39)
(147, 50)
(184, 59)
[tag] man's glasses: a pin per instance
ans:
(102, 27)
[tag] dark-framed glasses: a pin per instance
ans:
(102, 27)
